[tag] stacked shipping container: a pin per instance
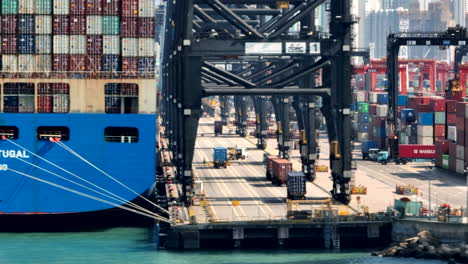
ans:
(77, 36)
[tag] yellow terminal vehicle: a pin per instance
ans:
(237, 153)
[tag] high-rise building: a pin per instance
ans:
(395, 4)
(458, 10)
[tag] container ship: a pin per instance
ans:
(77, 77)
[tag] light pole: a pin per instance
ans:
(430, 202)
(466, 176)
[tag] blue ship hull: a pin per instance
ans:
(133, 164)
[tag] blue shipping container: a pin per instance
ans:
(363, 128)
(382, 99)
(146, 65)
(366, 145)
(26, 44)
(220, 154)
(380, 132)
(426, 119)
(408, 115)
(353, 106)
(363, 118)
(111, 63)
(26, 24)
(402, 100)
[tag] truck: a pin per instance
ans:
(237, 153)
(218, 128)
(269, 165)
(281, 168)
(220, 157)
(408, 153)
(366, 147)
(296, 186)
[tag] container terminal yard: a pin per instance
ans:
(249, 125)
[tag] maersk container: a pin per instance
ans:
(43, 24)
(9, 7)
(26, 63)
(382, 98)
(43, 63)
(78, 25)
(61, 25)
(130, 8)
(111, 7)
(145, 47)
(61, 7)
(26, 24)
(426, 119)
(111, 63)
(77, 7)
(110, 25)
(26, 44)
(94, 7)
(61, 44)
(94, 45)
(9, 44)
(111, 45)
(9, 63)
(129, 47)
(77, 44)
(146, 64)
(145, 27)
(43, 7)
(146, 8)
(281, 168)
(94, 25)
(417, 151)
(60, 62)
(402, 100)
(43, 44)
(129, 27)
(9, 24)
(26, 6)
(296, 185)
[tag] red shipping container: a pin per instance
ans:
(61, 25)
(94, 63)
(281, 167)
(77, 7)
(457, 96)
(78, 25)
(424, 108)
(438, 160)
(130, 8)
(439, 138)
(78, 63)
(452, 156)
(417, 151)
(460, 123)
(110, 7)
(460, 137)
(129, 27)
(9, 24)
(129, 64)
(439, 130)
(451, 106)
(94, 45)
(378, 121)
(373, 109)
(461, 109)
(9, 44)
(466, 134)
(146, 27)
(94, 7)
(451, 119)
(60, 63)
(438, 105)
(44, 104)
(269, 165)
(442, 146)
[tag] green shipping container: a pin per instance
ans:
(43, 7)
(363, 108)
(10, 7)
(110, 25)
(439, 118)
(403, 138)
(408, 208)
(445, 161)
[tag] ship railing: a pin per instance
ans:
(121, 139)
(81, 75)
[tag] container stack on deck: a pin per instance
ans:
(78, 36)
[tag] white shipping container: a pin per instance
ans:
(460, 166)
(382, 110)
(61, 7)
(373, 97)
(363, 136)
(425, 131)
(26, 6)
(129, 47)
(94, 25)
(43, 63)
(43, 44)
(452, 133)
(26, 63)
(460, 152)
(404, 139)
(425, 140)
(146, 8)
(77, 44)
(43, 24)
(111, 45)
(9, 63)
(360, 96)
(445, 162)
(145, 47)
(61, 44)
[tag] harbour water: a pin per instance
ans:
(136, 245)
